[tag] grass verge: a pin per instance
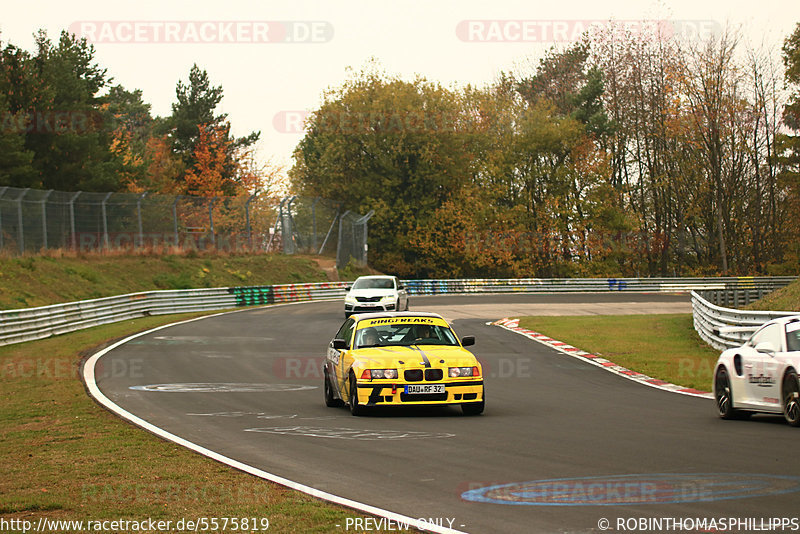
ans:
(783, 299)
(66, 458)
(31, 281)
(660, 346)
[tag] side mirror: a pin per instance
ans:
(766, 347)
(339, 344)
(468, 341)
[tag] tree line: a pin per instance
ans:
(65, 125)
(627, 153)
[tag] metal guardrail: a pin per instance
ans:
(17, 326)
(723, 328)
(544, 285)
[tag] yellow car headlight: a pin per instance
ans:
(459, 372)
(376, 374)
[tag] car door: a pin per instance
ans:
(762, 368)
(334, 359)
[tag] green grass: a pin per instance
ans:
(64, 457)
(784, 299)
(41, 280)
(660, 346)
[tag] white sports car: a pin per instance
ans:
(762, 374)
(375, 293)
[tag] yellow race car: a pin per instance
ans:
(401, 359)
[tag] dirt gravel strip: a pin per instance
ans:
(512, 325)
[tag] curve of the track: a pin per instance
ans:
(548, 416)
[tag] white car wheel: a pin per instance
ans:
(791, 398)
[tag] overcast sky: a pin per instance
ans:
(275, 58)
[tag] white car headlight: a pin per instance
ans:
(350, 300)
(389, 298)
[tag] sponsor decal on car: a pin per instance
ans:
(761, 380)
(401, 320)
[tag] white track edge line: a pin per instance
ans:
(609, 369)
(94, 391)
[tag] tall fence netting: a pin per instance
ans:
(33, 220)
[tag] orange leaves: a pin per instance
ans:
(163, 167)
(210, 176)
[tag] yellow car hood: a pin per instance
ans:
(413, 357)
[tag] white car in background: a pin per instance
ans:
(762, 374)
(376, 293)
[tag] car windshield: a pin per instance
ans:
(374, 283)
(389, 335)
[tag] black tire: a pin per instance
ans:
(355, 408)
(791, 398)
(474, 408)
(407, 302)
(724, 395)
(330, 401)
(397, 305)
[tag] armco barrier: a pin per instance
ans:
(546, 285)
(723, 328)
(17, 326)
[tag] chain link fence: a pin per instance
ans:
(34, 220)
(352, 239)
(318, 226)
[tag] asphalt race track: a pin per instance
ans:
(561, 446)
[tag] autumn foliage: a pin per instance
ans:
(622, 155)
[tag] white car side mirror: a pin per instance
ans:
(766, 347)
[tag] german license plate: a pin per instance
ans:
(420, 389)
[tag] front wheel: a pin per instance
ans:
(474, 408)
(330, 401)
(355, 408)
(791, 398)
